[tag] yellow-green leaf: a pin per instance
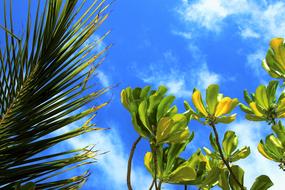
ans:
(212, 97)
(223, 107)
(262, 182)
(182, 173)
(163, 106)
(198, 103)
(261, 150)
(230, 142)
(261, 97)
(255, 110)
(226, 119)
(147, 161)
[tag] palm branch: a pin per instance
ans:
(43, 87)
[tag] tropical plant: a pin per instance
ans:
(155, 119)
(166, 130)
(43, 87)
(263, 104)
(266, 105)
(225, 174)
(274, 63)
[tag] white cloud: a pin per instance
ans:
(186, 35)
(254, 61)
(254, 18)
(180, 81)
(258, 20)
(250, 133)
(206, 77)
(178, 88)
(211, 13)
(97, 41)
(249, 33)
(103, 78)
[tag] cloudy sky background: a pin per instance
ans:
(181, 44)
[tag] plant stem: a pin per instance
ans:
(152, 183)
(130, 162)
(185, 187)
(154, 150)
(223, 157)
(159, 184)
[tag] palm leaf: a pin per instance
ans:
(43, 87)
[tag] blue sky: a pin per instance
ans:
(182, 45)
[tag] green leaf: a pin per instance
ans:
(28, 186)
(261, 97)
(226, 119)
(172, 130)
(239, 173)
(164, 106)
(247, 97)
(138, 126)
(164, 129)
(224, 179)
(230, 142)
(182, 174)
(254, 118)
(274, 147)
(144, 92)
(213, 142)
(154, 101)
(187, 106)
(245, 108)
(125, 97)
(280, 132)
(142, 111)
(175, 149)
(262, 182)
(275, 58)
(45, 88)
(240, 154)
(212, 177)
(172, 111)
(136, 92)
(212, 97)
(271, 91)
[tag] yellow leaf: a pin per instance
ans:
(147, 161)
(223, 107)
(261, 150)
(197, 101)
(268, 70)
(255, 110)
(234, 104)
(276, 44)
(281, 106)
(281, 115)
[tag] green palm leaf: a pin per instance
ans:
(43, 87)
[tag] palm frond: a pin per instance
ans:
(43, 83)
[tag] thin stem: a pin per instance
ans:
(274, 122)
(130, 162)
(152, 184)
(185, 187)
(154, 149)
(223, 157)
(159, 184)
